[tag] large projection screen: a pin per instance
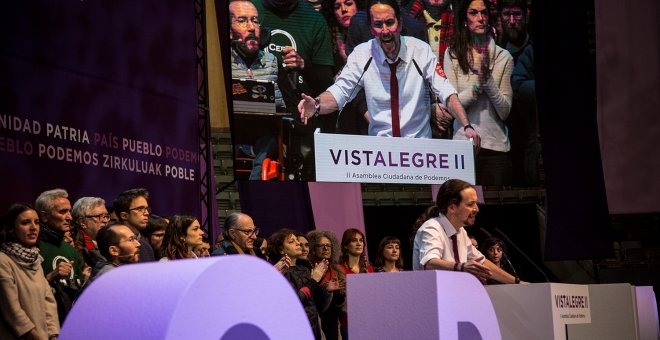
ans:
(271, 142)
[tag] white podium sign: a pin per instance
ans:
(540, 310)
(371, 159)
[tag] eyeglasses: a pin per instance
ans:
(158, 234)
(130, 239)
(248, 232)
(379, 23)
(141, 210)
(243, 21)
(324, 246)
(99, 217)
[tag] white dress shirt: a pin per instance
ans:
(414, 99)
(433, 241)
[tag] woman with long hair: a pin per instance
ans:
(389, 257)
(28, 307)
(353, 261)
(338, 14)
(481, 73)
(324, 247)
(305, 279)
(495, 251)
(182, 235)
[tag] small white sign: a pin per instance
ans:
(372, 159)
(570, 304)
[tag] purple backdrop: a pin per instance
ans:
(121, 76)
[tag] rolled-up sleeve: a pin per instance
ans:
(430, 244)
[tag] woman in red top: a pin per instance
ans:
(353, 261)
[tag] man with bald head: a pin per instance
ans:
(239, 232)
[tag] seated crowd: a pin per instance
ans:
(43, 272)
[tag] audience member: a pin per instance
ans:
(183, 234)
(513, 15)
(305, 280)
(338, 14)
(481, 72)
(251, 60)
(202, 250)
(132, 209)
(262, 244)
(389, 257)
(301, 41)
(89, 216)
(304, 246)
(155, 232)
(438, 17)
(113, 216)
(523, 119)
(323, 246)
(62, 264)
(239, 235)
(441, 241)
(495, 251)
(28, 309)
(118, 245)
(353, 261)
(474, 241)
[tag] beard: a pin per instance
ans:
(515, 36)
(243, 50)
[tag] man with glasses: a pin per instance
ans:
(132, 209)
(239, 233)
(388, 67)
(250, 60)
(513, 14)
(89, 216)
(119, 245)
(62, 264)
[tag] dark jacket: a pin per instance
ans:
(314, 297)
(226, 248)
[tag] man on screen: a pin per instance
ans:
(387, 68)
(249, 61)
(442, 243)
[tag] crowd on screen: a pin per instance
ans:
(50, 252)
(482, 48)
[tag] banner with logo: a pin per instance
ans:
(97, 99)
(371, 159)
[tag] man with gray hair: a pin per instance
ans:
(89, 216)
(239, 232)
(62, 264)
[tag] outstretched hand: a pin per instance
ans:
(306, 108)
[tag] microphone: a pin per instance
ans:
(522, 253)
(426, 82)
(364, 70)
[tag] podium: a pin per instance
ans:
(540, 310)
(419, 305)
(613, 312)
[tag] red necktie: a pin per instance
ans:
(394, 92)
(454, 242)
